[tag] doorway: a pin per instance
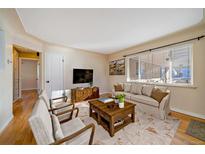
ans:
(26, 71)
(29, 79)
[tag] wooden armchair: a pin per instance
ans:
(57, 107)
(47, 128)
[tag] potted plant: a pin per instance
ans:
(121, 100)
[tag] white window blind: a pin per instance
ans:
(172, 65)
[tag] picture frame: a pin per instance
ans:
(117, 67)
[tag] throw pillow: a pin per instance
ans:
(147, 90)
(118, 87)
(127, 87)
(158, 94)
(136, 89)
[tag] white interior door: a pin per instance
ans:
(54, 72)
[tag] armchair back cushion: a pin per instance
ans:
(41, 124)
(43, 95)
(57, 128)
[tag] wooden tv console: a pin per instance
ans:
(82, 94)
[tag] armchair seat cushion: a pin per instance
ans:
(145, 100)
(73, 126)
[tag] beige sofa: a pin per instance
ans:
(139, 93)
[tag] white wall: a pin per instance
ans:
(74, 58)
(14, 34)
(28, 74)
(6, 89)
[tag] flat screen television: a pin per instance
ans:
(82, 76)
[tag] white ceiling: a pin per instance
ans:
(105, 30)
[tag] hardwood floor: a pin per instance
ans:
(18, 131)
(181, 137)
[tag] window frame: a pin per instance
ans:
(188, 85)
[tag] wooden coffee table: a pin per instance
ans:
(110, 116)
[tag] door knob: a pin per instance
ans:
(47, 81)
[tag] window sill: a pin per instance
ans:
(166, 84)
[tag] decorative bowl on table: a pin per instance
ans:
(112, 106)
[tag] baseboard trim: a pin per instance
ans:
(29, 89)
(5, 124)
(16, 99)
(188, 113)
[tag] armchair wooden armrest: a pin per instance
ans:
(71, 115)
(62, 97)
(57, 108)
(67, 111)
(67, 138)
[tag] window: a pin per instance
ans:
(171, 66)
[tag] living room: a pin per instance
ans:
(116, 88)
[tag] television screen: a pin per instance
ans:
(82, 76)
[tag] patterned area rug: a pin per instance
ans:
(147, 129)
(196, 129)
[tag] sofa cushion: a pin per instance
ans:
(118, 87)
(136, 89)
(147, 90)
(127, 87)
(158, 94)
(145, 100)
(57, 128)
(73, 126)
